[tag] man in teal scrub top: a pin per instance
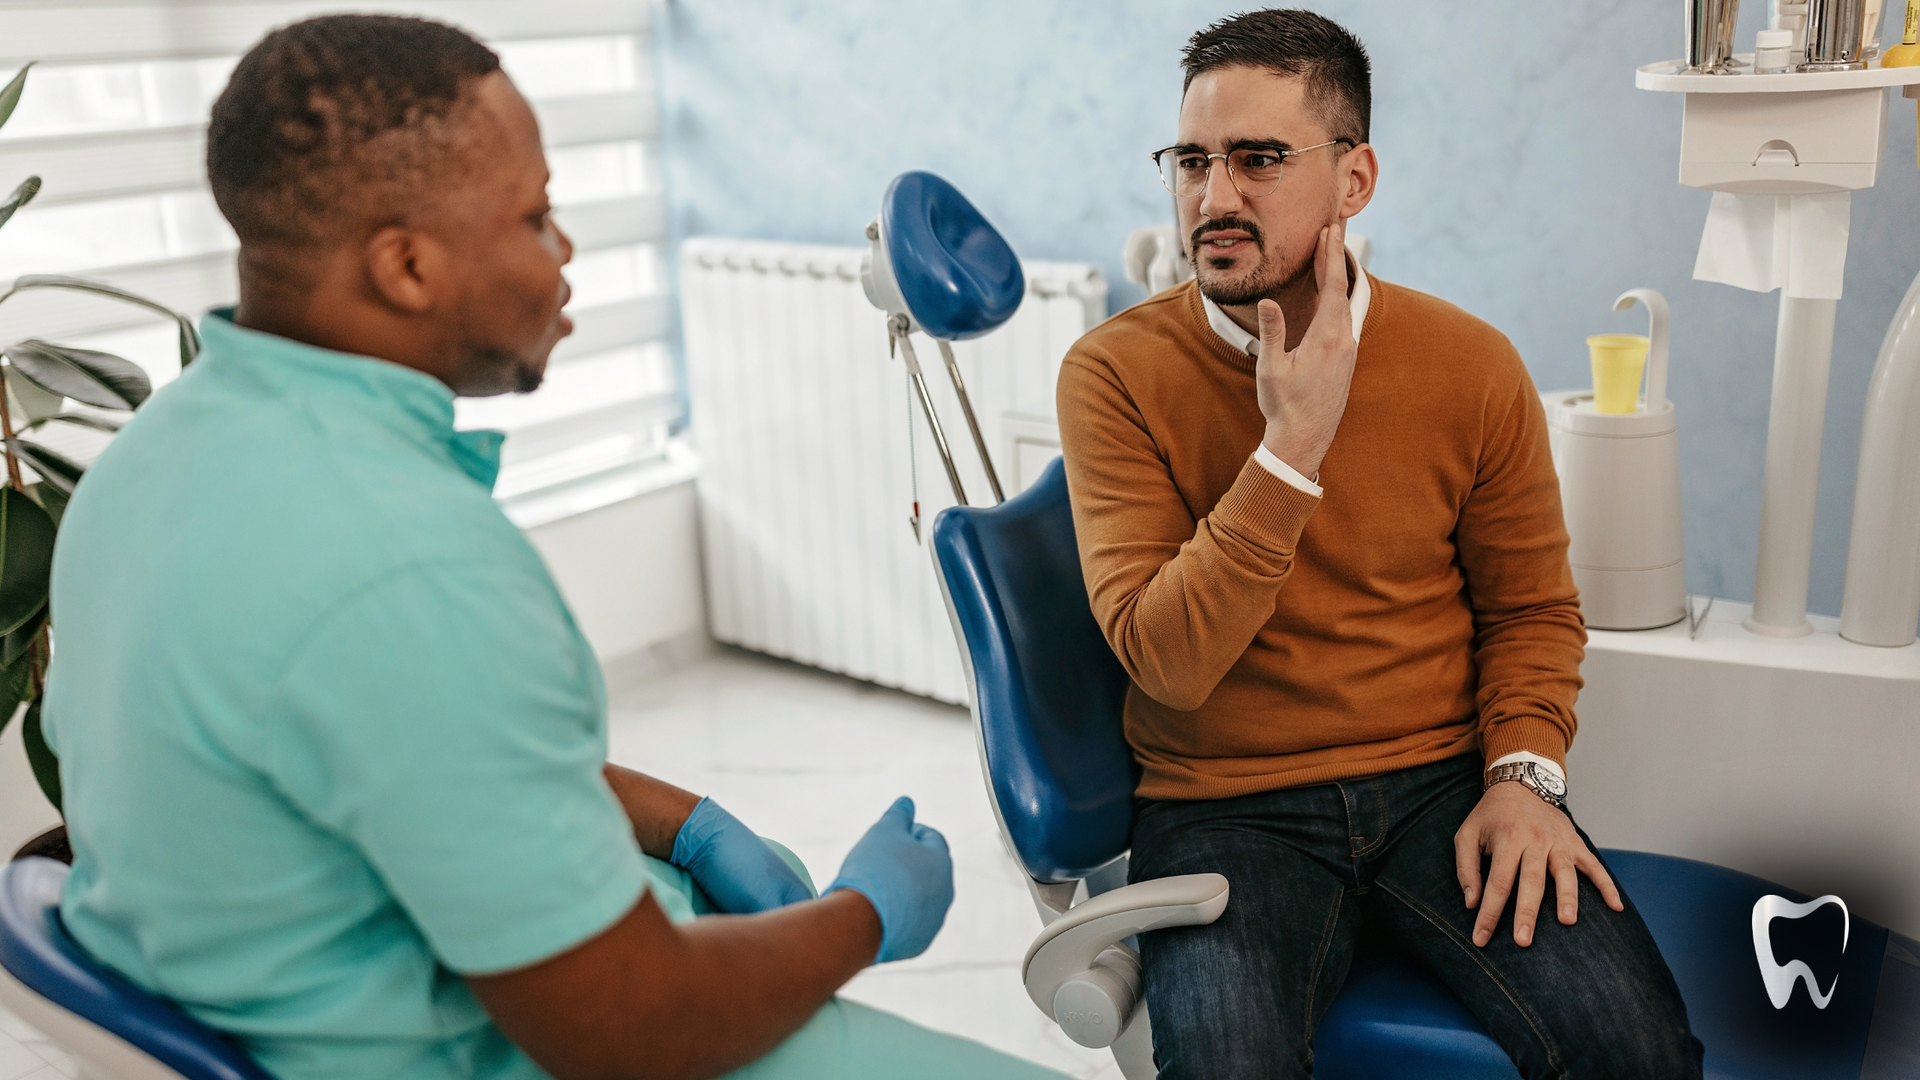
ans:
(334, 751)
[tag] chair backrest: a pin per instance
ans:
(86, 1003)
(1047, 692)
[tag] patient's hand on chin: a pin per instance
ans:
(1524, 839)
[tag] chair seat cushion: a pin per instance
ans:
(1395, 1020)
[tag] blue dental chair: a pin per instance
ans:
(1046, 693)
(1047, 696)
(117, 1030)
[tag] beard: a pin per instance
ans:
(488, 371)
(527, 378)
(1267, 280)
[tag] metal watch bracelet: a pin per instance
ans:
(1529, 775)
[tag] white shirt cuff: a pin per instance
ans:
(1271, 462)
(1525, 755)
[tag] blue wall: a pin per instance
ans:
(1524, 178)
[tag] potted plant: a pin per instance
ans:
(38, 381)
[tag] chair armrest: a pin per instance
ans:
(1078, 972)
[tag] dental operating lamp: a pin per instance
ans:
(937, 267)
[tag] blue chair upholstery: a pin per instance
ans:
(1049, 689)
(1048, 696)
(958, 276)
(36, 950)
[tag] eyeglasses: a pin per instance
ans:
(1254, 171)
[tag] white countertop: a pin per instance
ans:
(1672, 76)
(1722, 638)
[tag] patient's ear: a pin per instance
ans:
(406, 268)
(1362, 168)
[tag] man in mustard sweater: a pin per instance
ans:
(1321, 529)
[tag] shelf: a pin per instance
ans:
(1671, 76)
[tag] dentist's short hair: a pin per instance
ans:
(1295, 43)
(332, 120)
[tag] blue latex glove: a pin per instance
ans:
(904, 870)
(735, 868)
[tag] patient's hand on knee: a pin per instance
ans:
(1525, 840)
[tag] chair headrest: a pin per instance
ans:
(959, 277)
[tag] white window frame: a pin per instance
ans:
(558, 460)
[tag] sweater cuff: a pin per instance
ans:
(1534, 734)
(1265, 509)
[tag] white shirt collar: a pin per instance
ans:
(1231, 333)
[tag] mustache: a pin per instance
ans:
(1221, 225)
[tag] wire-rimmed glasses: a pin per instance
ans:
(1252, 168)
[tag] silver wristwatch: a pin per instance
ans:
(1529, 774)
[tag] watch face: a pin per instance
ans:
(1550, 783)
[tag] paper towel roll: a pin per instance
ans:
(1768, 242)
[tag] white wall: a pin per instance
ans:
(24, 812)
(631, 573)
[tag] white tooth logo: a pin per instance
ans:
(1779, 978)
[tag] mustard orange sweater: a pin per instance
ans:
(1421, 608)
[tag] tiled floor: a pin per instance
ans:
(811, 760)
(25, 1054)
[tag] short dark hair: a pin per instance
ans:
(291, 149)
(1288, 41)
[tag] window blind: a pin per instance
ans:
(114, 120)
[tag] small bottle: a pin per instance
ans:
(1772, 52)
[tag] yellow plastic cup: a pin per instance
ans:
(1618, 362)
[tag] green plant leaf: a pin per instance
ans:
(46, 767)
(189, 337)
(26, 401)
(189, 343)
(56, 469)
(16, 686)
(10, 94)
(26, 558)
(51, 499)
(15, 645)
(110, 425)
(21, 196)
(94, 378)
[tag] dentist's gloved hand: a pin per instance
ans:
(904, 870)
(735, 868)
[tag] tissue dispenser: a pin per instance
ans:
(1796, 133)
(1620, 492)
(1783, 144)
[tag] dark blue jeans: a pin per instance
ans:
(1315, 869)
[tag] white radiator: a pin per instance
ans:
(801, 420)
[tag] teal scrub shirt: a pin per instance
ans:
(331, 741)
(329, 737)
